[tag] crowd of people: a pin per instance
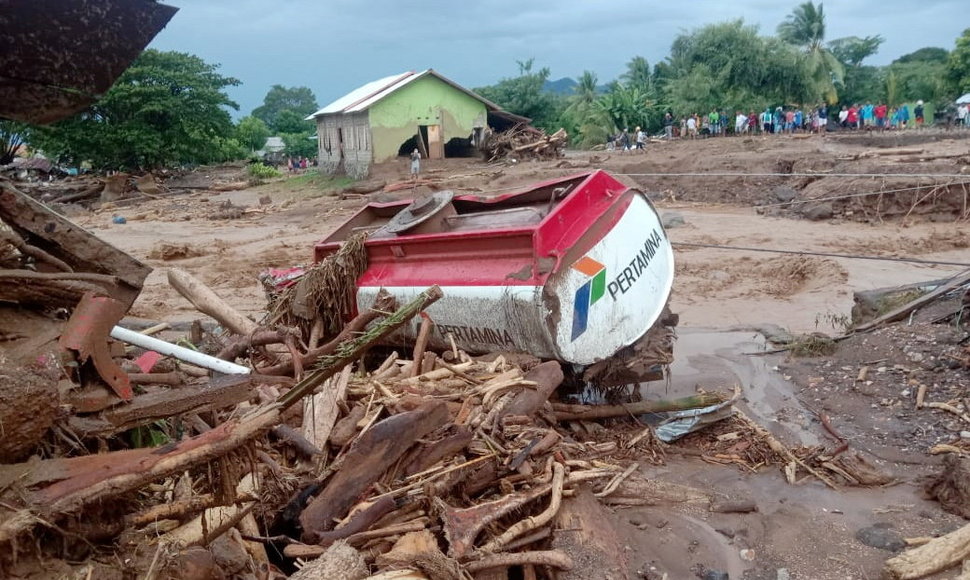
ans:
(789, 120)
(781, 121)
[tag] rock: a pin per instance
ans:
(881, 536)
(196, 563)
(818, 211)
(672, 219)
(229, 552)
(784, 193)
(951, 487)
(339, 561)
(783, 574)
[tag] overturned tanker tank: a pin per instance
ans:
(577, 269)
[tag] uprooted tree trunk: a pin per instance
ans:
(83, 480)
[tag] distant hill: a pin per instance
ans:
(567, 86)
(563, 86)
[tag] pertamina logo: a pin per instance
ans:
(588, 293)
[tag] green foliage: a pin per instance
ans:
(167, 108)
(805, 28)
(252, 133)
(152, 435)
(298, 100)
(728, 65)
(290, 121)
(852, 50)
(299, 145)
(958, 66)
(524, 95)
(259, 173)
(916, 80)
(638, 73)
(12, 136)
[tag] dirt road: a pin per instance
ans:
(720, 294)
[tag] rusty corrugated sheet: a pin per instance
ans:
(58, 56)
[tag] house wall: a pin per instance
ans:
(426, 101)
(357, 150)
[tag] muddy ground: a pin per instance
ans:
(723, 297)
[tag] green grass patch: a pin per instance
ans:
(317, 181)
(810, 345)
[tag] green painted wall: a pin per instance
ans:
(426, 101)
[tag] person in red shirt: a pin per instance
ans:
(881, 116)
(853, 117)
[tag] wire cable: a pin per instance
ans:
(822, 254)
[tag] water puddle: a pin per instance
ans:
(716, 360)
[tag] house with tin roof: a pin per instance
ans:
(392, 116)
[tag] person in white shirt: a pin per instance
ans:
(740, 123)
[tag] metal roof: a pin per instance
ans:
(364, 97)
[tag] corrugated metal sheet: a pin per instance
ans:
(58, 57)
(363, 98)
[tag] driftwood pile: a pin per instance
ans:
(524, 142)
(445, 469)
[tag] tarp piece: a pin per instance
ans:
(57, 57)
(964, 100)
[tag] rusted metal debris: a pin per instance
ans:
(60, 57)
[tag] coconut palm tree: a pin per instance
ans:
(637, 73)
(805, 27)
(589, 116)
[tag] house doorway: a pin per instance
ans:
(431, 135)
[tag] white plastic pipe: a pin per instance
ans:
(184, 354)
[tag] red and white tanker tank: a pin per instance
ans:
(572, 269)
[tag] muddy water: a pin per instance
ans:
(807, 528)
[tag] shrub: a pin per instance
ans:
(260, 172)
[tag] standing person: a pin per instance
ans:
(415, 163)
(625, 139)
(641, 139)
(880, 114)
(789, 121)
(740, 123)
(918, 113)
(713, 122)
(868, 114)
(823, 118)
(752, 126)
(692, 126)
(904, 116)
(852, 118)
(668, 126)
(799, 120)
(766, 121)
(963, 113)
(844, 117)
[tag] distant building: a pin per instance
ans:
(393, 116)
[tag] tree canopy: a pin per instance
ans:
(805, 28)
(958, 65)
(524, 95)
(298, 101)
(167, 108)
(252, 133)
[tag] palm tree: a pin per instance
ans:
(805, 27)
(637, 73)
(584, 107)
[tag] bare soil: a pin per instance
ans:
(720, 294)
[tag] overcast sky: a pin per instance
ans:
(334, 46)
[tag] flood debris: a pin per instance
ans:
(524, 142)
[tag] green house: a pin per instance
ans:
(392, 116)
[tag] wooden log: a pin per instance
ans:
(431, 453)
(935, 556)
(81, 481)
(583, 527)
(904, 310)
(547, 377)
(320, 411)
(383, 303)
(419, 345)
(566, 412)
(208, 302)
(368, 458)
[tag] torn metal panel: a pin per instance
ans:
(56, 58)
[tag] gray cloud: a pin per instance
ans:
(336, 45)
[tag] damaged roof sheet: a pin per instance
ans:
(56, 57)
(364, 97)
